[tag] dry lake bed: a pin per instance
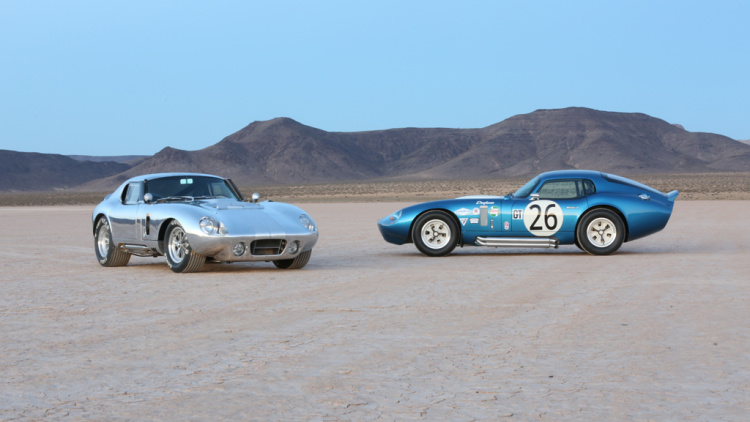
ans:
(373, 331)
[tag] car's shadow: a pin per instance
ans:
(159, 264)
(479, 252)
(323, 262)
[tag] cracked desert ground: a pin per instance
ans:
(373, 331)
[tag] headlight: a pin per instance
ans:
(391, 219)
(308, 223)
(209, 225)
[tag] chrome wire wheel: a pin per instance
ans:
(181, 258)
(177, 245)
(601, 232)
(436, 234)
(102, 240)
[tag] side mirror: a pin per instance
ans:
(255, 197)
(148, 198)
(534, 197)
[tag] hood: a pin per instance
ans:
(221, 204)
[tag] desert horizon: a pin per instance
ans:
(704, 186)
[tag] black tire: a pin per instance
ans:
(107, 253)
(600, 232)
(435, 233)
(181, 258)
(294, 264)
(578, 245)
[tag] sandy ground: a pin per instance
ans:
(373, 331)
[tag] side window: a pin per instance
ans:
(588, 187)
(132, 194)
(560, 189)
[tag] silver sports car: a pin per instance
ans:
(190, 217)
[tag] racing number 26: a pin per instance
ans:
(550, 219)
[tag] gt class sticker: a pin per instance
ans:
(543, 217)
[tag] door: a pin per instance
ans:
(123, 218)
(551, 210)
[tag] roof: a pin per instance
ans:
(161, 175)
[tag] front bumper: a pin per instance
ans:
(393, 232)
(222, 248)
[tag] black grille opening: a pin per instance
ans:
(268, 247)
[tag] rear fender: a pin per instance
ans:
(610, 208)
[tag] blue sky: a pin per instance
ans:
(133, 77)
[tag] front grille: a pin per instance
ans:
(268, 247)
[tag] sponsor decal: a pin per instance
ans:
(485, 202)
(506, 225)
(494, 211)
(476, 211)
(462, 211)
(474, 221)
(543, 217)
(463, 221)
(518, 214)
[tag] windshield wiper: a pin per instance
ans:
(175, 198)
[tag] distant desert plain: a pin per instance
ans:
(374, 331)
(702, 186)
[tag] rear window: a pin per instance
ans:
(627, 182)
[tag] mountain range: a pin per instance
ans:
(284, 151)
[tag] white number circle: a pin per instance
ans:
(543, 217)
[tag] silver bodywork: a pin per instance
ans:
(267, 229)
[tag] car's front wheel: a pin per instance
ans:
(600, 232)
(295, 263)
(435, 233)
(107, 253)
(181, 258)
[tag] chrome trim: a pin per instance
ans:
(518, 242)
(139, 250)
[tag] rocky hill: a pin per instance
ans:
(29, 171)
(283, 151)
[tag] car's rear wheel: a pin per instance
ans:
(435, 233)
(181, 258)
(295, 263)
(600, 232)
(107, 253)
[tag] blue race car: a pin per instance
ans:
(595, 211)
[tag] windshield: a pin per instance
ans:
(527, 188)
(191, 187)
